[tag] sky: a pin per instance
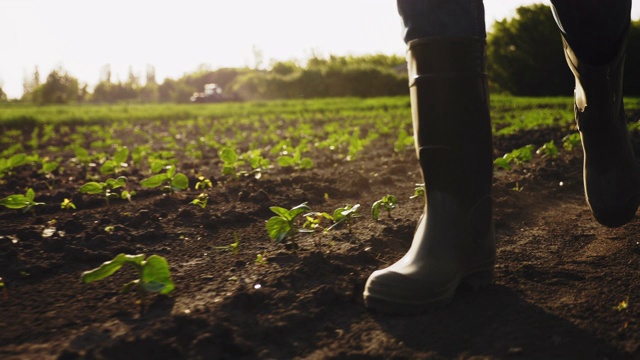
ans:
(178, 37)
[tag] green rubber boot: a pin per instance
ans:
(611, 172)
(454, 241)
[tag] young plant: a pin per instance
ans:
(203, 183)
(346, 214)
(118, 162)
(201, 200)
(261, 259)
(173, 181)
(296, 161)
(517, 156)
(388, 203)
(233, 247)
(106, 188)
(403, 142)
(66, 204)
(419, 191)
(571, 141)
(25, 202)
(549, 149)
(283, 225)
(154, 275)
(231, 162)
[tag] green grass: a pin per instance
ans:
(509, 114)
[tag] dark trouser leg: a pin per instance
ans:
(442, 18)
(593, 28)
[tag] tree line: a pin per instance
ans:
(524, 53)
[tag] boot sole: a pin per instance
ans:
(476, 280)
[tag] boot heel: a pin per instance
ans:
(479, 279)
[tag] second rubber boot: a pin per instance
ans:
(611, 172)
(454, 241)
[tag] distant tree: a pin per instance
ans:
(59, 88)
(3, 95)
(525, 54)
(30, 84)
(150, 75)
(174, 91)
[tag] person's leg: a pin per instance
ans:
(594, 34)
(593, 28)
(454, 241)
(442, 18)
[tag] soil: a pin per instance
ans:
(561, 279)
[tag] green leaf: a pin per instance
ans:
(278, 228)
(375, 209)
(306, 163)
(17, 160)
(501, 162)
(109, 267)
(228, 170)
(109, 167)
(121, 155)
(281, 211)
(285, 161)
(228, 155)
(30, 195)
(154, 181)
(156, 276)
(16, 201)
(49, 167)
(91, 188)
(171, 170)
(180, 181)
(302, 208)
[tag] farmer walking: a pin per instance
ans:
(454, 242)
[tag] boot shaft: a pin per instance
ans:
(450, 110)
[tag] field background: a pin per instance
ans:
(565, 287)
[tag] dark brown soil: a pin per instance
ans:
(560, 276)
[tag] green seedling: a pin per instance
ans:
(25, 202)
(571, 141)
(257, 162)
(7, 164)
(116, 164)
(549, 149)
(203, 183)
(517, 156)
(106, 188)
(154, 275)
(296, 161)
(231, 162)
(388, 203)
(404, 141)
(419, 191)
(201, 200)
(66, 204)
(233, 247)
(346, 214)
(172, 181)
(283, 225)
(261, 259)
(517, 187)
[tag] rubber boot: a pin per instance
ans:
(611, 173)
(454, 240)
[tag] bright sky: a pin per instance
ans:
(178, 36)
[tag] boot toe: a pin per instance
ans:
(388, 291)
